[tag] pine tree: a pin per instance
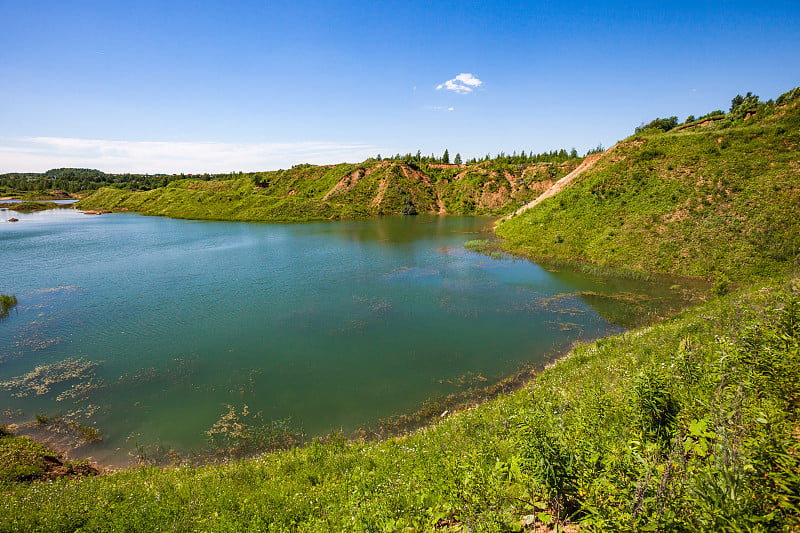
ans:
(457, 160)
(446, 157)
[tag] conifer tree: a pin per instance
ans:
(446, 157)
(457, 160)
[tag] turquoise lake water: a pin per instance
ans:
(148, 328)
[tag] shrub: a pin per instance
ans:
(663, 124)
(657, 407)
(721, 285)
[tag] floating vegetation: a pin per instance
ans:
(241, 383)
(450, 250)
(411, 272)
(461, 308)
(81, 391)
(477, 245)
(467, 380)
(43, 378)
(624, 297)
(57, 289)
(555, 325)
(88, 412)
(177, 370)
(490, 264)
(37, 344)
(158, 454)
(376, 306)
(89, 433)
(240, 433)
(71, 433)
(483, 246)
(7, 301)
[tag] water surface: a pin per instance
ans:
(148, 328)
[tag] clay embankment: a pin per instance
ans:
(588, 162)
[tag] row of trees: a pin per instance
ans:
(740, 107)
(73, 180)
(554, 156)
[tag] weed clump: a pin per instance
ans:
(7, 302)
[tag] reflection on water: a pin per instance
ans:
(149, 329)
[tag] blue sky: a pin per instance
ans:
(220, 86)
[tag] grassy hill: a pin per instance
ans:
(709, 199)
(309, 192)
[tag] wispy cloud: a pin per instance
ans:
(37, 154)
(462, 84)
(440, 108)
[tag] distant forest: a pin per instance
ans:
(75, 180)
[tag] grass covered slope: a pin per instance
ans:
(309, 192)
(708, 198)
(687, 425)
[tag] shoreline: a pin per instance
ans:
(427, 413)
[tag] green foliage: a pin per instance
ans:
(29, 207)
(73, 180)
(7, 302)
(89, 433)
(788, 97)
(656, 405)
(662, 124)
(740, 104)
(721, 285)
(20, 459)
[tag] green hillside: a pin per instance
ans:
(710, 198)
(309, 192)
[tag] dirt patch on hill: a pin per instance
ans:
(384, 184)
(416, 175)
(345, 183)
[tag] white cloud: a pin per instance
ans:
(440, 108)
(37, 154)
(462, 84)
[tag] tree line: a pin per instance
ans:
(554, 156)
(74, 180)
(741, 107)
